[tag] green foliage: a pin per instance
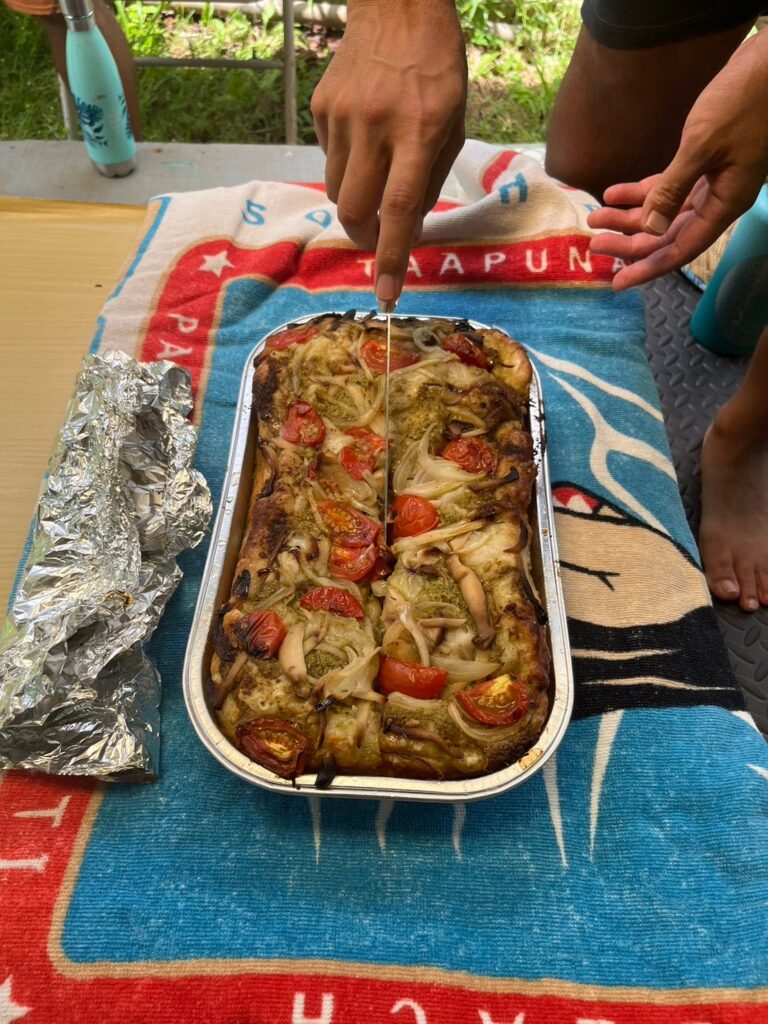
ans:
(28, 85)
(512, 84)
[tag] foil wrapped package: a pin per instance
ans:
(78, 695)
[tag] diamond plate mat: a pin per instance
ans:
(693, 383)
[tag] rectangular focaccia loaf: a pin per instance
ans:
(412, 648)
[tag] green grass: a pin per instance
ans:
(29, 92)
(511, 91)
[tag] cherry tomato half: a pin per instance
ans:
(472, 455)
(415, 515)
(260, 633)
(374, 355)
(500, 701)
(274, 744)
(467, 351)
(349, 527)
(359, 457)
(418, 681)
(287, 339)
(351, 563)
(304, 425)
(332, 599)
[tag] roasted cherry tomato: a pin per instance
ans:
(471, 454)
(419, 681)
(351, 563)
(332, 599)
(359, 457)
(287, 339)
(467, 351)
(304, 425)
(349, 527)
(414, 516)
(260, 633)
(374, 355)
(274, 744)
(500, 701)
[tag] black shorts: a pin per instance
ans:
(637, 24)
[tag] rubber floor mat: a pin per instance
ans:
(693, 383)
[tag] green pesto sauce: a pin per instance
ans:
(320, 662)
(443, 588)
(269, 668)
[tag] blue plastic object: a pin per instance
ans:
(733, 311)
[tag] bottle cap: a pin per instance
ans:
(76, 10)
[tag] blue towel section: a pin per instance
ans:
(638, 853)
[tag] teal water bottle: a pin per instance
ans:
(98, 93)
(733, 311)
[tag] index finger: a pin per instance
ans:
(401, 211)
(629, 193)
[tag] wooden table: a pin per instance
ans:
(58, 263)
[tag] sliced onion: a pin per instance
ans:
(357, 676)
(235, 667)
(393, 632)
(317, 627)
(379, 588)
(378, 398)
(419, 337)
(356, 393)
(362, 719)
(415, 703)
(333, 649)
(432, 537)
(281, 594)
(335, 439)
(481, 733)
(280, 442)
(420, 640)
(468, 671)
(470, 544)
(405, 468)
(302, 353)
(444, 607)
(442, 623)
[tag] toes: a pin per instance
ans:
(762, 585)
(727, 589)
(748, 598)
(719, 570)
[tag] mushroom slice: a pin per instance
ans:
(473, 593)
(292, 661)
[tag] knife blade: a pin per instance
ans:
(387, 308)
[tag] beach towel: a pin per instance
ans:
(625, 883)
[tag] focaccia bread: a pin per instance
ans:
(414, 650)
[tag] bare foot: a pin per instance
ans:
(733, 538)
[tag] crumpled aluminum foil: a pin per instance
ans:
(78, 695)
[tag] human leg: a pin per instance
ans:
(733, 538)
(619, 112)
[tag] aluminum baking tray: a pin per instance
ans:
(215, 590)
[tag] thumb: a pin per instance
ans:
(670, 191)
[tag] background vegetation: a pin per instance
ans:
(513, 83)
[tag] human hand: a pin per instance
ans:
(714, 177)
(389, 114)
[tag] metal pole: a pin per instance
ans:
(289, 74)
(68, 110)
(203, 62)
